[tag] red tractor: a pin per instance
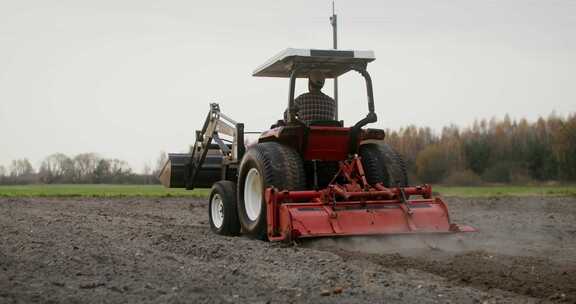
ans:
(306, 179)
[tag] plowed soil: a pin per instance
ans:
(137, 250)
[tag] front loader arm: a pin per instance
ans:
(215, 123)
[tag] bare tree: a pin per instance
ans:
(85, 165)
(2, 174)
(21, 168)
(21, 171)
(146, 171)
(119, 170)
(102, 171)
(119, 167)
(56, 168)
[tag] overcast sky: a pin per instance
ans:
(127, 79)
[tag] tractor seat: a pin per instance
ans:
(325, 123)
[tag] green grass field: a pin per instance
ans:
(97, 191)
(491, 191)
(159, 191)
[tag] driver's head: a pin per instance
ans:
(315, 80)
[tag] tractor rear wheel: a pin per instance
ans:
(222, 209)
(265, 165)
(382, 164)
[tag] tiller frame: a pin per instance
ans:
(355, 207)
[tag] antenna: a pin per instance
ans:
(334, 23)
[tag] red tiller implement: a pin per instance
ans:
(305, 179)
(356, 208)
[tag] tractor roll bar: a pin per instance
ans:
(370, 117)
(364, 73)
(291, 89)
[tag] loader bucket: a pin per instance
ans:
(173, 173)
(315, 218)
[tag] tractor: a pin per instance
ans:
(305, 179)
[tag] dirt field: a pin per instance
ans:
(161, 250)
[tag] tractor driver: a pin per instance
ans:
(314, 105)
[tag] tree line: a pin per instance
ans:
(491, 151)
(85, 168)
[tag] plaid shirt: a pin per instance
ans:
(315, 106)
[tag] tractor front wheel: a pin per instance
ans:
(265, 165)
(222, 209)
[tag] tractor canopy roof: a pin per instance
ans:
(332, 63)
